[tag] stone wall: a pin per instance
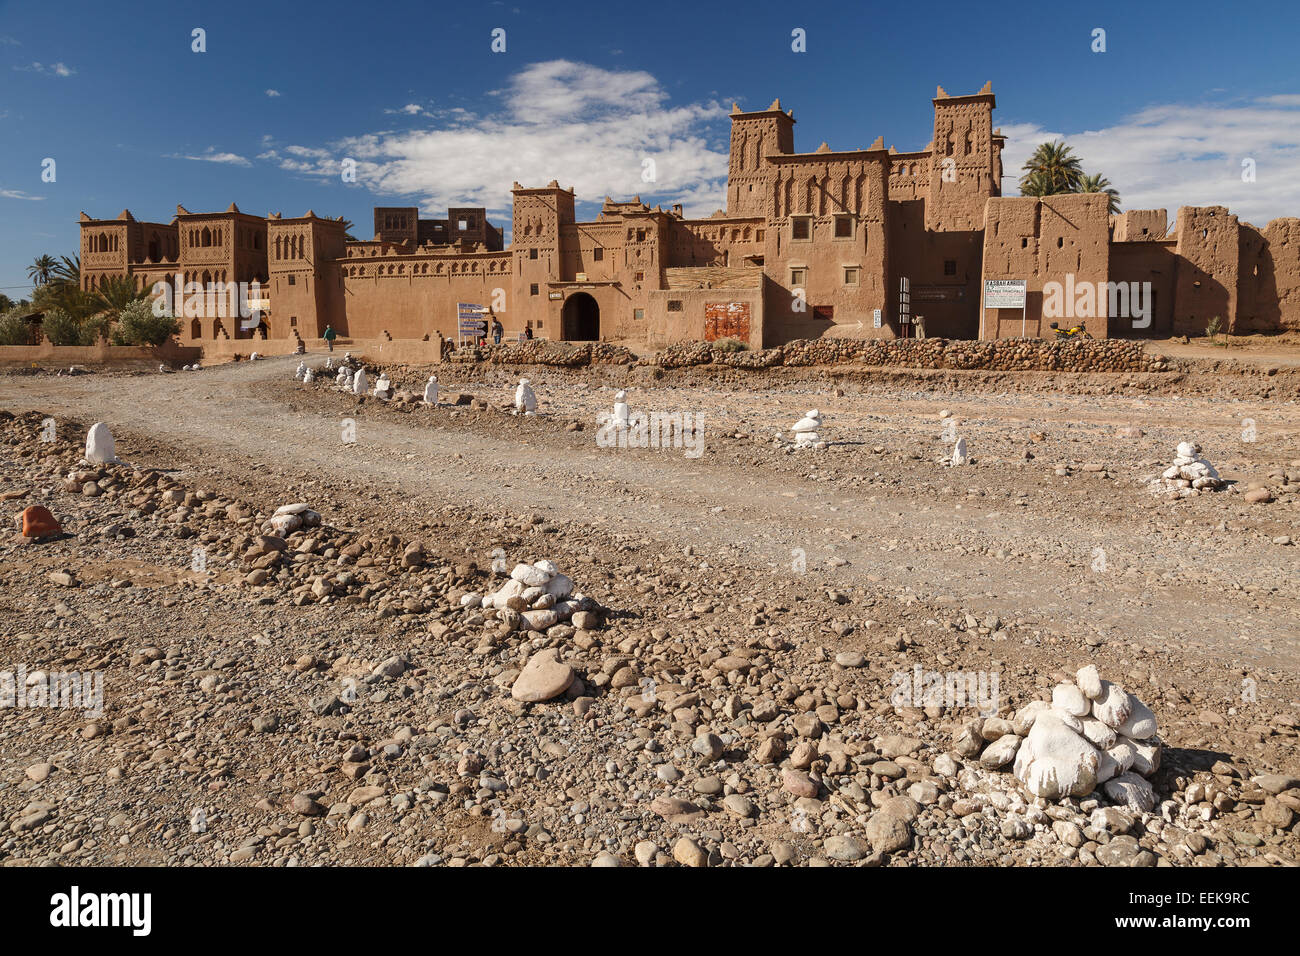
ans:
(543, 352)
(1007, 355)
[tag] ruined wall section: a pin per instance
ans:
(1209, 270)
(1140, 225)
(1277, 285)
(1055, 239)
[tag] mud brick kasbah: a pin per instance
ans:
(810, 245)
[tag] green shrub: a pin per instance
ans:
(14, 329)
(137, 325)
(61, 328)
(1213, 327)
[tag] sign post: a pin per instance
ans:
(1004, 294)
(469, 321)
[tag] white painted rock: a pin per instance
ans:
(1106, 767)
(431, 391)
(1123, 754)
(1001, 752)
(543, 677)
(508, 590)
(1054, 761)
(530, 576)
(1141, 723)
(1098, 734)
(620, 409)
(560, 586)
(1146, 756)
(1130, 790)
(1089, 681)
(811, 422)
(541, 619)
(959, 454)
(1067, 718)
(100, 447)
(525, 398)
(1113, 707)
(359, 382)
(1024, 719)
(1070, 699)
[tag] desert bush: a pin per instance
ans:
(14, 329)
(61, 328)
(730, 345)
(137, 325)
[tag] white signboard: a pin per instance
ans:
(875, 318)
(1004, 293)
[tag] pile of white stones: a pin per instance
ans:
(1188, 475)
(289, 518)
(1092, 734)
(536, 597)
(807, 430)
(525, 398)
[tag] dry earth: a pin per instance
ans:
(733, 707)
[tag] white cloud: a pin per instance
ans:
(18, 194)
(1181, 154)
(210, 155)
(50, 69)
(272, 93)
(579, 124)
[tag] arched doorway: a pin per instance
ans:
(581, 318)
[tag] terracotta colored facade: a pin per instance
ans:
(811, 244)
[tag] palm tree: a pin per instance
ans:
(347, 229)
(41, 269)
(116, 294)
(68, 270)
(1052, 169)
(1097, 183)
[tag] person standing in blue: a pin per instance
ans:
(498, 330)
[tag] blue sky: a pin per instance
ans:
(584, 93)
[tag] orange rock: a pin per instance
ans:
(39, 523)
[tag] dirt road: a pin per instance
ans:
(1080, 555)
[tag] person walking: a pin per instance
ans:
(329, 336)
(498, 330)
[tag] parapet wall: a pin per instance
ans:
(101, 354)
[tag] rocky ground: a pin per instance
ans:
(726, 696)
